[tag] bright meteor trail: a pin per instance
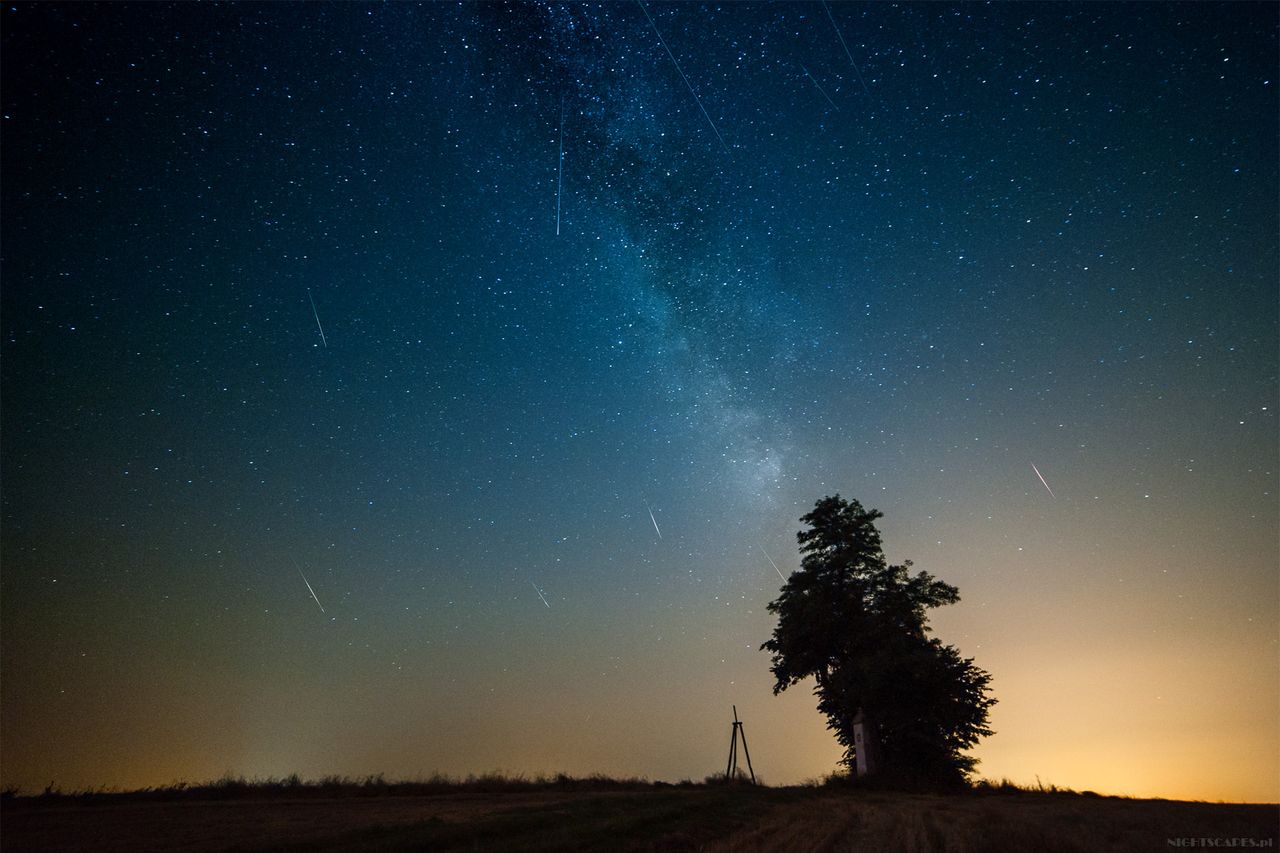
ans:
(310, 590)
(654, 520)
(771, 562)
(539, 592)
(1041, 476)
(317, 316)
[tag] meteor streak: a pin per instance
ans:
(312, 591)
(813, 80)
(318, 326)
(560, 168)
(684, 78)
(539, 592)
(654, 520)
(771, 562)
(845, 46)
(1041, 476)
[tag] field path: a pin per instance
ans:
(714, 819)
(1047, 823)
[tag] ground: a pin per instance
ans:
(709, 818)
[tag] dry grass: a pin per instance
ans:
(977, 823)
(238, 787)
(497, 812)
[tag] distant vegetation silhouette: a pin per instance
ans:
(903, 705)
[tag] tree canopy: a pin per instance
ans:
(858, 625)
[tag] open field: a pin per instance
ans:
(622, 817)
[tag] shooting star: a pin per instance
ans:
(820, 89)
(560, 167)
(309, 589)
(1041, 476)
(684, 78)
(771, 562)
(539, 592)
(654, 520)
(323, 339)
(845, 46)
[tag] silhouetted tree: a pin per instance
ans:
(858, 626)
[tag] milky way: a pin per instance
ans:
(577, 261)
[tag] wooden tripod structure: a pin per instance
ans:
(732, 769)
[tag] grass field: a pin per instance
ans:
(607, 815)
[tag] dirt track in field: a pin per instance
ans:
(674, 819)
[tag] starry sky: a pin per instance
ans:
(411, 388)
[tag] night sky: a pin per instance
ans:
(519, 337)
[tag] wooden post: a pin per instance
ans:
(731, 770)
(733, 754)
(865, 748)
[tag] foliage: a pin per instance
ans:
(858, 626)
